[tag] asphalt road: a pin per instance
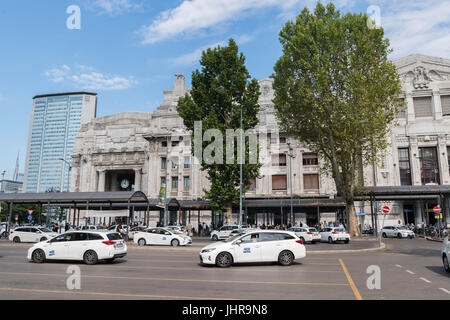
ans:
(409, 269)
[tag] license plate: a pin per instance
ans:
(119, 245)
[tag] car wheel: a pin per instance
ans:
(111, 260)
(411, 237)
(43, 239)
(16, 240)
(330, 240)
(141, 242)
(446, 264)
(175, 243)
(215, 238)
(285, 258)
(346, 241)
(224, 260)
(38, 256)
(90, 257)
(384, 235)
(399, 235)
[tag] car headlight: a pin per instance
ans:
(208, 250)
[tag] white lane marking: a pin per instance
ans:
(398, 266)
(409, 271)
(426, 280)
(445, 290)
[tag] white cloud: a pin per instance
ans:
(417, 27)
(85, 77)
(113, 7)
(195, 15)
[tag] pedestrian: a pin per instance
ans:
(189, 229)
(199, 230)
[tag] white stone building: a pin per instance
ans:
(131, 150)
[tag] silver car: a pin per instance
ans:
(445, 253)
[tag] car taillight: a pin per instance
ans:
(299, 241)
(347, 233)
(335, 232)
(109, 242)
(309, 233)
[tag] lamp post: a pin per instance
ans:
(68, 172)
(290, 180)
(240, 175)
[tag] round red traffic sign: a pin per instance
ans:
(386, 209)
(437, 209)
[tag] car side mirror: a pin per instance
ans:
(238, 242)
(167, 233)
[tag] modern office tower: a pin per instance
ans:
(55, 122)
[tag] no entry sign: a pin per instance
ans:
(386, 209)
(437, 209)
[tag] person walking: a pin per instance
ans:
(189, 229)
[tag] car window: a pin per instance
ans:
(283, 236)
(113, 236)
(94, 236)
(19, 230)
(79, 236)
(234, 227)
(34, 230)
(312, 230)
(152, 230)
(231, 239)
(339, 230)
(62, 238)
(264, 237)
(254, 237)
(45, 230)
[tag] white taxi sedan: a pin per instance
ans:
(88, 246)
(161, 236)
(31, 234)
(335, 234)
(445, 253)
(306, 234)
(257, 246)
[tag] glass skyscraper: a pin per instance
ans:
(55, 122)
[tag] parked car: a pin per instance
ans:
(161, 236)
(223, 232)
(181, 229)
(93, 227)
(397, 231)
(305, 234)
(445, 254)
(31, 234)
(279, 246)
(135, 230)
(88, 246)
(332, 235)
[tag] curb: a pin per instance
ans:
(382, 247)
(435, 240)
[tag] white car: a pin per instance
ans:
(88, 246)
(135, 230)
(161, 236)
(31, 234)
(445, 253)
(256, 246)
(397, 231)
(180, 229)
(92, 227)
(331, 235)
(223, 232)
(306, 234)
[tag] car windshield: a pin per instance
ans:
(176, 232)
(231, 239)
(114, 236)
(45, 230)
(100, 227)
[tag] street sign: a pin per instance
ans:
(386, 209)
(17, 217)
(360, 213)
(30, 218)
(437, 209)
(30, 212)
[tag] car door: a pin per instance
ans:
(223, 232)
(78, 245)
(58, 247)
(151, 236)
(35, 235)
(325, 234)
(165, 237)
(271, 246)
(249, 249)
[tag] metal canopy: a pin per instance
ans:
(403, 192)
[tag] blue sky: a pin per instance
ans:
(129, 50)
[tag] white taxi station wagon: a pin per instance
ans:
(31, 234)
(87, 246)
(161, 236)
(257, 246)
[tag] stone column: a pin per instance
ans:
(101, 181)
(437, 107)
(443, 159)
(137, 179)
(415, 162)
(410, 110)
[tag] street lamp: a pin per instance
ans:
(240, 175)
(68, 172)
(290, 155)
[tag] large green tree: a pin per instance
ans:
(219, 90)
(337, 92)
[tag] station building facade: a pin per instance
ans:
(142, 151)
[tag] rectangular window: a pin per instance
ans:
(163, 163)
(175, 143)
(445, 103)
(164, 144)
(187, 182)
(310, 159)
(422, 107)
(282, 140)
(187, 162)
(174, 182)
(279, 182)
(163, 182)
(429, 165)
(311, 181)
(252, 185)
(404, 166)
(279, 160)
(175, 163)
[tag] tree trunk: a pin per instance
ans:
(353, 227)
(229, 214)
